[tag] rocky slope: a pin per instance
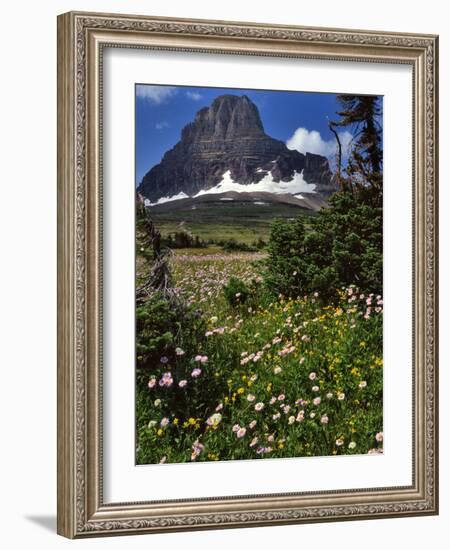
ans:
(228, 137)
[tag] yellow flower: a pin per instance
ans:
(281, 445)
(159, 432)
(191, 421)
(240, 391)
(175, 421)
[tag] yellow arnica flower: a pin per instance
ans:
(159, 432)
(175, 421)
(240, 391)
(191, 421)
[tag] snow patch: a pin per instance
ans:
(181, 195)
(296, 185)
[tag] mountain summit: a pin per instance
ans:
(226, 149)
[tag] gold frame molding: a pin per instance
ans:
(81, 37)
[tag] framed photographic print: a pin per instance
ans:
(247, 284)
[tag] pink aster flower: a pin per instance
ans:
(197, 448)
(196, 373)
(166, 379)
(259, 406)
(198, 358)
(182, 383)
(204, 359)
(339, 442)
(281, 397)
(241, 432)
(379, 437)
(164, 422)
(312, 375)
(250, 397)
(152, 382)
(235, 428)
(316, 401)
(324, 419)
(315, 388)
(252, 424)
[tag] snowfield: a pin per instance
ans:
(295, 186)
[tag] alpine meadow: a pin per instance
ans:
(259, 274)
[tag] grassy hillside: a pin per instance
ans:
(243, 222)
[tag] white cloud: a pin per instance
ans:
(161, 125)
(195, 96)
(306, 141)
(155, 94)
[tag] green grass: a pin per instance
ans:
(243, 223)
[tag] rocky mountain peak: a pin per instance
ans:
(229, 137)
(228, 117)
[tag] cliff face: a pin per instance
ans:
(229, 136)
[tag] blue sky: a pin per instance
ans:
(297, 118)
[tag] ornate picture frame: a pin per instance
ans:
(82, 38)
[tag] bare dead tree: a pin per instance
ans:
(336, 135)
(159, 277)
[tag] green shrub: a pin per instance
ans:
(236, 292)
(340, 247)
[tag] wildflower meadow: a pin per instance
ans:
(242, 373)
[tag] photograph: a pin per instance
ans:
(258, 274)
